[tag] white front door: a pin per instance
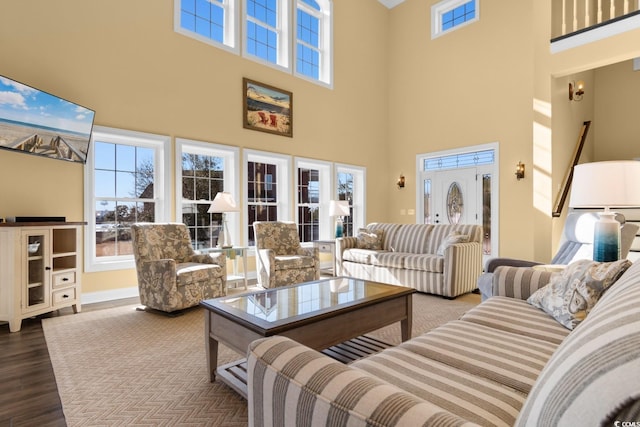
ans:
(455, 197)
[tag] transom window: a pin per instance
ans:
(308, 38)
(448, 15)
(210, 21)
(270, 30)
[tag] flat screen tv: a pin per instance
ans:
(36, 122)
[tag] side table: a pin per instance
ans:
(233, 253)
(327, 247)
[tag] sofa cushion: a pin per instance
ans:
(370, 239)
(288, 262)
(451, 239)
(389, 230)
(467, 395)
(517, 316)
(360, 256)
(440, 232)
(504, 357)
(191, 272)
(592, 375)
(387, 259)
(424, 262)
(411, 238)
(570, 296)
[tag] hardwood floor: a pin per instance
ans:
(28, 390)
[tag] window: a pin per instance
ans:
(124, 183)
(448, 15)
(313, 40)
(351, 187)
(267, 189)
(313, 189)
(266, 31)
(270, 30)
(202, 170)
(210, 21)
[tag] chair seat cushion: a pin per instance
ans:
(191, 272)
(288, 262)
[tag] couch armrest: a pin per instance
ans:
(494, 263)
(343, 243)
(217, 258)
(519, 282)
(462, 267)
(290, 384)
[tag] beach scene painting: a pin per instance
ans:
(267, 109)
(36, 122)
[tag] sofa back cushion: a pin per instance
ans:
(411, 238)
(388, 231)
(593, 374)
(441, 231)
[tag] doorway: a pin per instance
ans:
(461, 187)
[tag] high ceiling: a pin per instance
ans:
(390, 3)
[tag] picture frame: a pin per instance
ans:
(267, 108)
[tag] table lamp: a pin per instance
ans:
(611, 184)
(223, 203)
(339, 208)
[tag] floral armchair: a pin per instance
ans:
(280, 259)
(171, 275)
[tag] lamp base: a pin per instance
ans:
(606, 238)
(339, 228)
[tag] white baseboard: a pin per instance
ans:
(103, 296)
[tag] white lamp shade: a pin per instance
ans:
(223, 202)
(606, 184)
(338, 208)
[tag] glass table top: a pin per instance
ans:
(302, 300)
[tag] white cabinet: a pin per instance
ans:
(39, 269)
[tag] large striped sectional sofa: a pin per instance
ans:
(503, 363)
(408, 256)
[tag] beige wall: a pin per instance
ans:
(617, 112)
(470, 87)
(124, 60)
(397, 93)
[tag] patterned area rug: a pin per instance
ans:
(120, 366)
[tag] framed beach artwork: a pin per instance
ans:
(267, 108)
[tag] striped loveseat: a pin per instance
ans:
(415, 255)
(503, 363)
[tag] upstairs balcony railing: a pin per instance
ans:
(571, 17)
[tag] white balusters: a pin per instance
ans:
(573, 20)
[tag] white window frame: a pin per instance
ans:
(283, 163)
(230, 173)
(231, 17)
(444, 6)
(325, 41)
(326, 186)
(359, 192)
(162, 191)
(283, 31)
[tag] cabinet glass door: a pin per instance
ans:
(36, 282)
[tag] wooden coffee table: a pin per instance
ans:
(323, 315)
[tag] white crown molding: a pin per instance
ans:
(391, 3)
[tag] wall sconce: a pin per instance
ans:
(400, 182)
(576, 90)
(520, 171)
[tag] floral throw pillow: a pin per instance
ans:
(451, 239)
(370, 239)
(571, 294)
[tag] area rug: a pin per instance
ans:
(119, 366)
